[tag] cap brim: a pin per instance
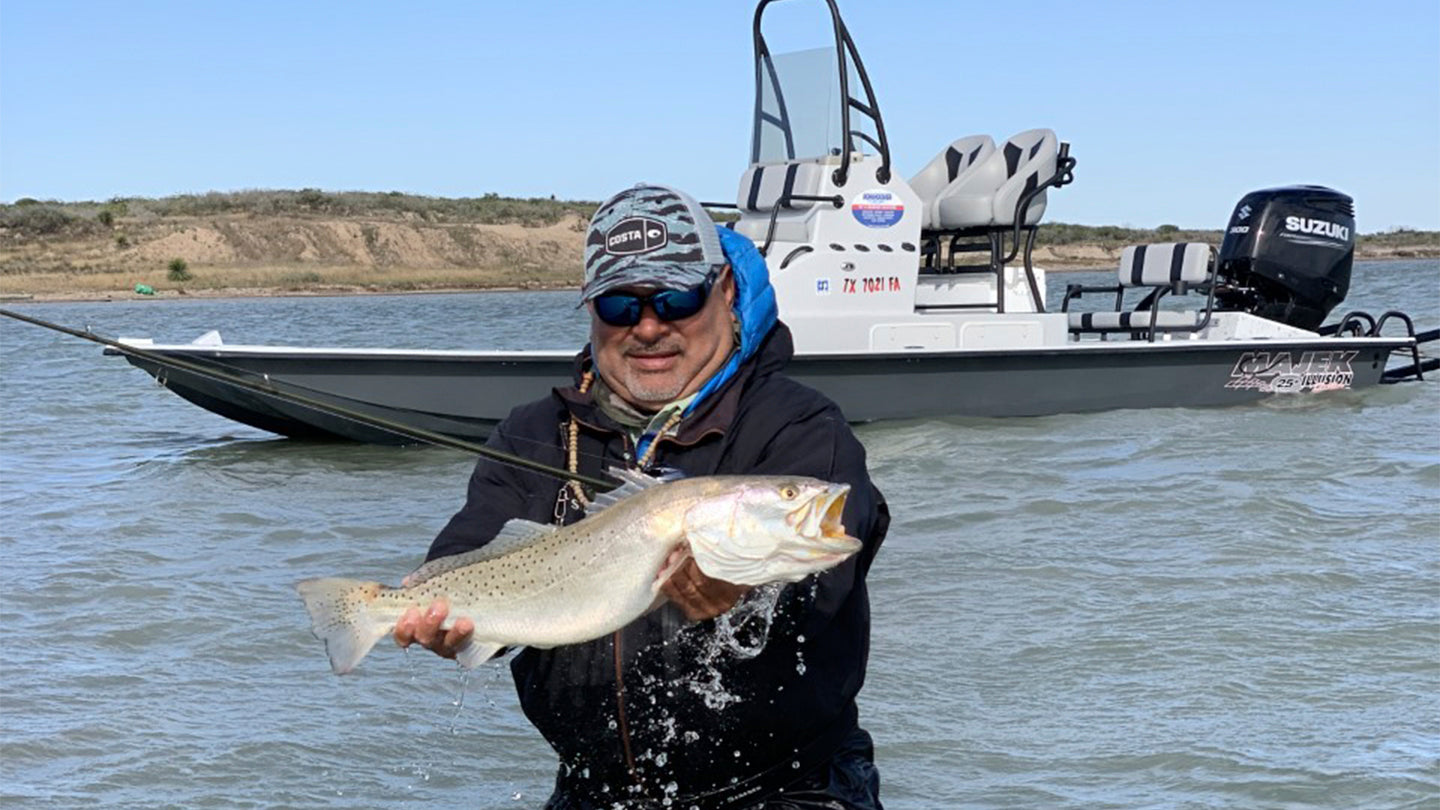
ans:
(672, 277)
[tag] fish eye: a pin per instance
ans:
(789, 492)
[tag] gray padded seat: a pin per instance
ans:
(994, 186)
(763, 185)
(1162, 266)
(951, 168)
(1130, 321)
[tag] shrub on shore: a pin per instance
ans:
(489, 209)
(33, 218)
(30, 217)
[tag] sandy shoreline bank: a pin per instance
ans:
(268, 244)
(377, 287)
(223, 293)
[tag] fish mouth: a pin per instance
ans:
(832, 537)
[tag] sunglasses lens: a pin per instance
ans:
(618, 309)
(623, 309)
(677, 305)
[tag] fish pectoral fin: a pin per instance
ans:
(476, 653)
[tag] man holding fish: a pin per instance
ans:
(683, 372)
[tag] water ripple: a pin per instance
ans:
(1217, 608)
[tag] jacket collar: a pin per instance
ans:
(714, 414)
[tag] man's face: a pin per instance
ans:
(655, 362)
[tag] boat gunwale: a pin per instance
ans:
(567, 355)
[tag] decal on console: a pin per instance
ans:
(1282, 373)
(877, 208)
(870, 284)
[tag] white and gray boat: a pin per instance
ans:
(913, 297)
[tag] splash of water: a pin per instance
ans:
(741, 632)
(744, 629)
(459, 702)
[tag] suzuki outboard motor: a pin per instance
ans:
(1287, 254)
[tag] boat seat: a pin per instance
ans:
(1134, 321)
(767, 189)
(976, 212)
(991, 190)
(1030, 159)
(952, 168)
(1169, 268)
(765, 185)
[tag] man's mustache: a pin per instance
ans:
(661, 347)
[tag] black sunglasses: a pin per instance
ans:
(624, 309)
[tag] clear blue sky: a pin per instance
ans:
(1174, 110)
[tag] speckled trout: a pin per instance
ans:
(544, 586)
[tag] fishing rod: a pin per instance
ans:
(263, 384)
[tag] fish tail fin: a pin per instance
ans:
(339, 617)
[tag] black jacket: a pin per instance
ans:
(687, 718)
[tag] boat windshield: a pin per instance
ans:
(798, 114)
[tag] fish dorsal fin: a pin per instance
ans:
(515, 534)
(632, 482)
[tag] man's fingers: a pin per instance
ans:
(415, 627)
(427, 630)
(405, 627)
(684, 586)
(457, 637)
(699, 597)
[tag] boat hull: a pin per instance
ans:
(466, 394)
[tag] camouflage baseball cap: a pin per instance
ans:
(649, 236)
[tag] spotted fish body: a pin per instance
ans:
(543, 586)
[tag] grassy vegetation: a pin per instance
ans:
(1110, 236)
(314, 241)
(1400, 237)
(29, 217)
(285, 278)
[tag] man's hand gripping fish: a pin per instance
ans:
(544, 586)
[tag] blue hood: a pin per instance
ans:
(754, 306)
